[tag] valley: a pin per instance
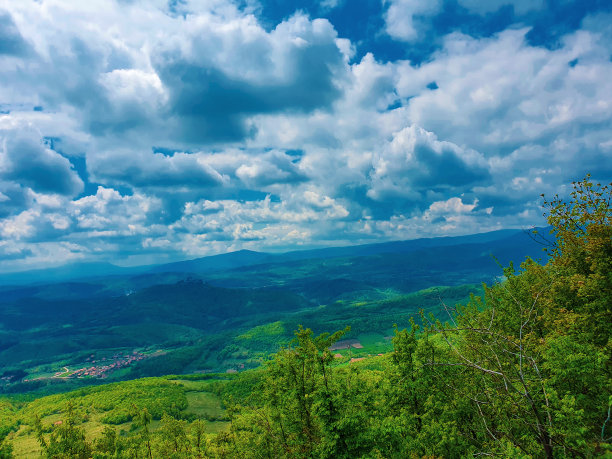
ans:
(58, 336)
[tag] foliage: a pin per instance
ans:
(300, 409)
(522, 371)
(6, 449)
(66, 439)
(536, 353)
(115, 401)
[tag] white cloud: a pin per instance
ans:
(451, 206)
(402, 16)
(109, 210)
(502, 92)
(406, 19)
(148, 169)
(415, 162)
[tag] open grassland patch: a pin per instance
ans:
(205, 405)
(114, 405)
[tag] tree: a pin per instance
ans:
(296, 414)
(198, 429)
(537, 349)
(173, 438)
(142, 418)
(6, 449)
(66, 439)
(108, 445)
(582, 257)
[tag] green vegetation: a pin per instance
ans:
(95, 418)
(522, 370)
(206, 319)
(171, 349)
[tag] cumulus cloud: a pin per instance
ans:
(219, 172)
(148, 169)
(26, 160)
(11, 41)
(25, 255)
(504, 93)
(274, 167)
(292, 68)
(402, 17)
(276, 224)
(14, 198)
(416, 163)
(193, 78)
(413, 20)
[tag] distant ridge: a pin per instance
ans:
(398, 246)
(246, 258)
(214, 262)
(70, 271)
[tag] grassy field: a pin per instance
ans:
(111, 405)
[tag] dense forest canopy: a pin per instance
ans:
(523, 371)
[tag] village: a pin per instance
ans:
(101, 367)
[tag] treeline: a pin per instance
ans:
(173, 438)
(524, 371)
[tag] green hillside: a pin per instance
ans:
(186, 327)
(113, 406)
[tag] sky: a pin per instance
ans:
(139, 132)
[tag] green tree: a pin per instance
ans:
(66, 439)
(582, 257)
(106, 446)
(431, 417)
(6, 449)
(296, 414)
(198, 437)
(142, 418)
(173, 441)
(536, 351)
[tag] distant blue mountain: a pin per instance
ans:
(404, 246)
(63, 273)
(214, 263)
(502, 239)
